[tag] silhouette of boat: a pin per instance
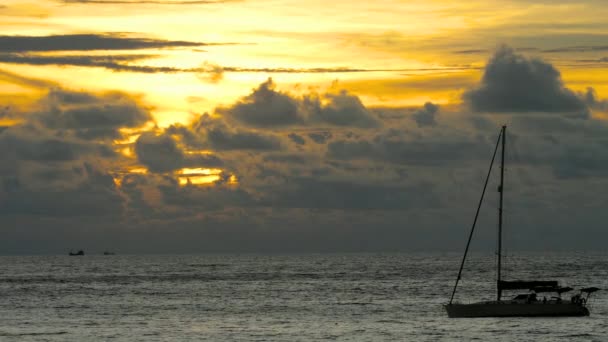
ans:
(108, 253)
(79, 253)
(524, 305)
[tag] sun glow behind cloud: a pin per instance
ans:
(198, 176)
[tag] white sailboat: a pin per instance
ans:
(524, 305)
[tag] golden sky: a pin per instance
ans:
(435, 48)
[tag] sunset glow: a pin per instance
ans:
(313, 116)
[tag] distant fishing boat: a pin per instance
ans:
(527, 304)
(79, 253)
(108, 253)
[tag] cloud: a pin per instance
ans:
(471, 51)
(514, 83)
(217, 134)
(214, 72)
(408, 152)
(296, 138)
(320, 137)
(90, 192)
(426, 115)
(161, 153)
(208, 72)
(314, 193)
(91, 116)
(30, 82)
(341, 109)
(214, 197)
(593, 101)
(221, 138)
(51, 170)
(18, 145)
(114, 63)
(336, 168)
(267, 107)
(89, 42)
(580, 48)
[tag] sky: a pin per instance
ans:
(210, 126)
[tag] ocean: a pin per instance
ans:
(315, 297)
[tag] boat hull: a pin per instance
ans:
(502, 309)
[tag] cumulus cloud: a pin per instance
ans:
(160, 153)
(58, 157)
(218, 135)
(426, 115)
(267, 107)
(513, 83)
(593, 101)
(91, 116)
(311, 166)
(341, 109)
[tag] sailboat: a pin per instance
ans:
(522, 305)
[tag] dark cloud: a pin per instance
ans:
(267, 107)
(160, 153)
(514, 83)
(570, 148)
(208, 72)
(17, 145)
(91, 116)
(277, 190)
(287, 158)
(426, 115)
(213, 197)
(89, 42)
(314, 193)
(114, 63)
(296, 138)
(593, 101)
(320, 137)
(92, 187)
(49, 170)
(220, 136)
(341, 109)
(207, 132)
(394, 147)
(214, 72)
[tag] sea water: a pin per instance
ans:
(344, 297)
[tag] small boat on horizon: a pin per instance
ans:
(79, 253)
(108, 253)
(522, 305)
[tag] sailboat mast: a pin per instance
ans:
(501, 194)
(483, 193)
